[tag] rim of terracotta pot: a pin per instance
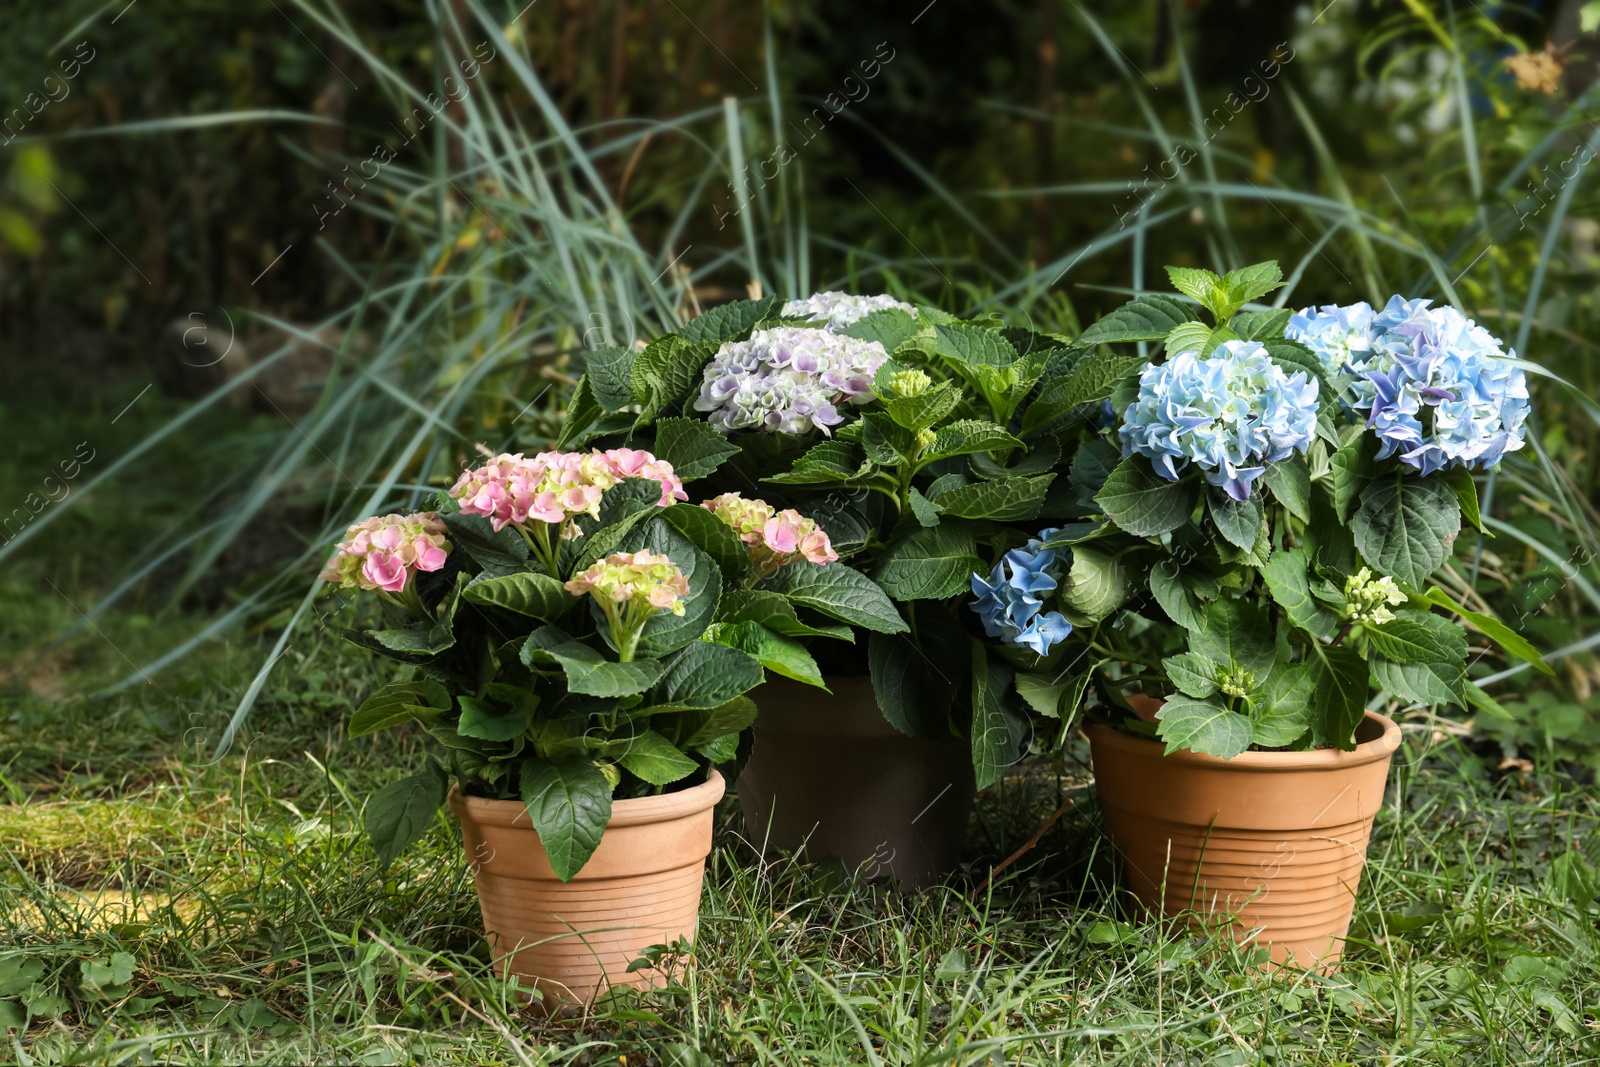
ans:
(634, 811)
(1370, 751)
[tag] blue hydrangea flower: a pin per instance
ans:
(839, 310)
(788, 380)
(1230, 415)
(1432, 384)
(1009, 602)
(1342, 338)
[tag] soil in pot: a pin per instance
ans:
(1267, 845)
(829, 775)
(575, 940)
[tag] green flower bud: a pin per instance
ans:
(909, 383)
(1369, 599)
(1239, 682)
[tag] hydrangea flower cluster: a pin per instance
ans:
(630, 588)
(774, 538)
(553, 488)
(1368, 599)
(1230, 415)
(382, 553)
(1009, 603)
(788, 380)
(1434, 385)
(839, 310)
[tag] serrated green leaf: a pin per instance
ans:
(587, 671)
(922, 411)
(1193, 674)
(608, 372)
(1261, 325)
(1189, 336)
(779, 654)
(999, 500)
(1196, 283)
(391, 705)
(1281, 711)
(1494, 629)
(1239, 633)
(886, 442)
(1290, 482)
(502, 552)
(1339, 682)
(1238, 521)
(1142, 502)
(996, 732)
(930, 563)
(1176, 599)
(1353, 467)
(1405, 527)
(1288, 579)
(890, 327)
(711, 535)
(704, 675)
(693, 447)
(536, 595)
(1091, 379)
(968, 346)
(570, 803)
(1238, 287)
(1148, 318)
(841, 593)
(1433, 683)
(924, 510)
(705, 727)
(400, 813)
(1096, 585)
(1466, 491)
(917, 679)
(1418, 637)
(728, 321)
(488, 722)
(652, 758)
(1202, 726)
(966, 437)
(774, 611)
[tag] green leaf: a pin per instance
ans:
(839, 592)
(930, 563)
(1197, 283)
(115, 971)
(711, 535)
(890, 327)
(1432, 683)
(919, 412)
(1353, 469)
(1405, 527)
(1202, 726)
(570, 803)
(399, 813)
(1494, 629)
(1091, 380)
(925, 511)
(1238, 521)
(728, 321)
(1096, 585)
(705, 675)
(1190, 336)
(665, 632)
(497, 553)
(1290, 482)
(526, 592)
(706, 727)
(1261, 325)
(1056, 696)
(1288, 579)
(578, 421)
(775, 612)
(1175, 597)
(1339, 683)
(1281, 711)
(973, 346)
(781, 655)
(1193, 674)
(1466, 491)
(1573, 880)
(391, 705)
(487, 722)
(916, 679)
(1241, 286)
(1143, 503)
(965, 437)
(665, 372)
(609, 370)
(1148, 318)
(1000, 500)
(887, 443)
(588, 672)
(1237, 632)
(1486, 703)
(652, 758)
(996, 733)
(692, 446)
(1418, 637)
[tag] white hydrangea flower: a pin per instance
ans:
(839, 310)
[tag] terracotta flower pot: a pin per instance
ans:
(574, 940)
(829, 773)
(1268, 845)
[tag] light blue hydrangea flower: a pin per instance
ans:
(839, 310)
(1230, 414)
(1341, 337)
(1009, 602)
(788, 380)
(1433, 385)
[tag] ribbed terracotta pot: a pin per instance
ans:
(574, 940)
(829, 773)
(1267, 845)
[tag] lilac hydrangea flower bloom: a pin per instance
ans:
(1230, 415)
(838, 310)
(1435, 387)
(788, 380)
(1008, 602)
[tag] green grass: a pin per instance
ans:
(161, 907)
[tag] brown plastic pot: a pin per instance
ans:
(829, 775)
(1267, 845)
(574, 940)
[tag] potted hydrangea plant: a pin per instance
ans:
(923, 446)
(1286, 507)
(563, 618)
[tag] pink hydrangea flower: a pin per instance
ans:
(383, 552)
(555, 487)
(631, 587)
(774, 538)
